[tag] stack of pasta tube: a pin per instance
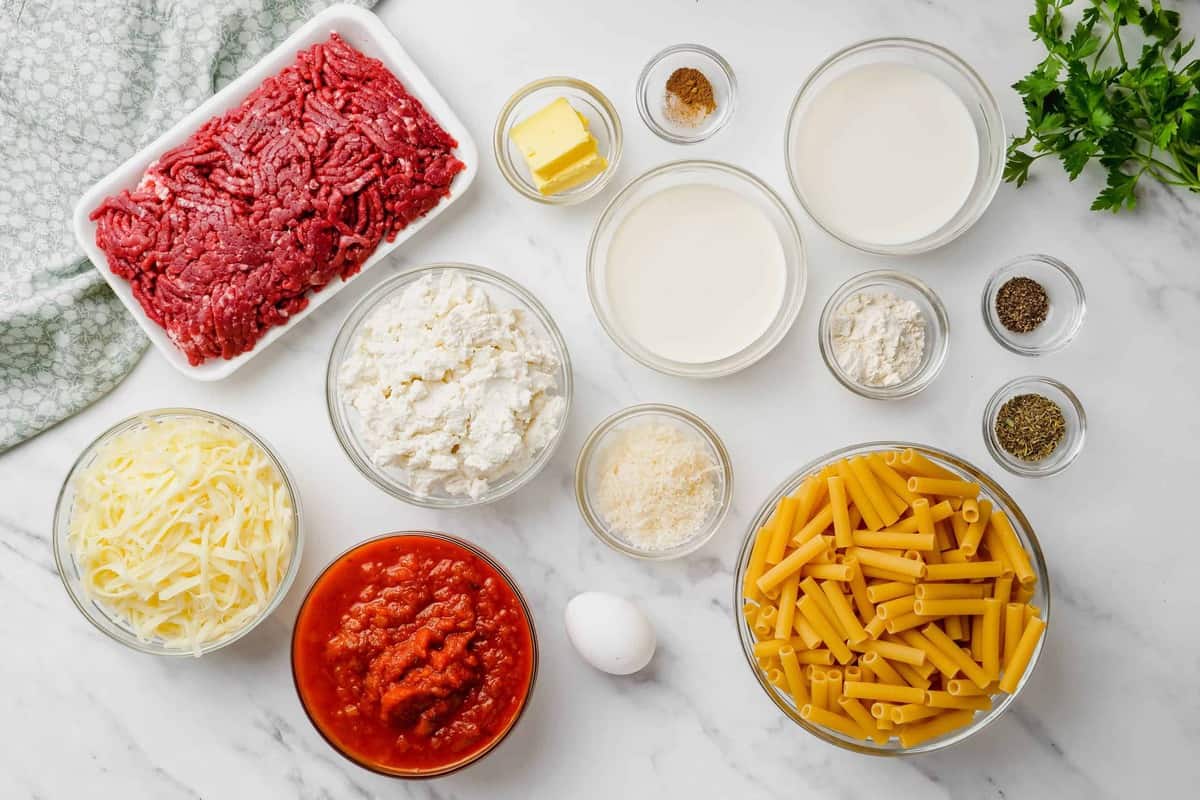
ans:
(890, 599)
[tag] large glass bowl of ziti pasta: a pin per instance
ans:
(893, 598)
(177, 531)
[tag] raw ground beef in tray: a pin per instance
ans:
(226, 235)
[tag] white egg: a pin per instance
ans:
(609, 632)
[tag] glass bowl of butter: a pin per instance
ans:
(558, 141)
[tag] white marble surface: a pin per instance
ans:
(1112, 710)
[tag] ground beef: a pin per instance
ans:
(226, 235)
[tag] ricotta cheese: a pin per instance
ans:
(451, 390)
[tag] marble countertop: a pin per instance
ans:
(1111, 711)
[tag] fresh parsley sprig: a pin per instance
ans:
(1096, 97)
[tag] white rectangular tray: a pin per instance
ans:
(363, 30)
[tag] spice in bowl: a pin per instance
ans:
(1022, 304)
(689, 98)
(1030, 427)
(656, 485)
(878, 339)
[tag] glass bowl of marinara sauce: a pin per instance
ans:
(414, 654)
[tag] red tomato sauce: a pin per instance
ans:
(413, 654)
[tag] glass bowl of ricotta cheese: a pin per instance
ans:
(895, 146)
(449, 386)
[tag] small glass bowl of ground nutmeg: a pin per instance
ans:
(686, 93)
(1034, 426)
(1033, 305)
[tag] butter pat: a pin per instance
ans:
(579, 172)
(558, 147)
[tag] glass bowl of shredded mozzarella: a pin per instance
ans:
(177, 531)
(654, 482)
(884, 335)
(449, 386)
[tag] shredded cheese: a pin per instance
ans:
(656, 485)
(182, 528)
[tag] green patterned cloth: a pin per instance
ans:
(83, 85)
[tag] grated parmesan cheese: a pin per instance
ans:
(182, 528)
(656, 485)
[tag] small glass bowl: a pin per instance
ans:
(1072, 442)
(1067, 305)
(603, 121)
(651, 92)
(482, 554)
(959, 76)
(104, 620)
(937, 331)
(585, 477)
(1001, 499)
(713, 173)
(505, 293)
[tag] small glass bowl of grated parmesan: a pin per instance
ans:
(177, 531)
(654, 482)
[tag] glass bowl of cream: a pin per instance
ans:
(867, 339)
(696, 269)
(449, 386)
(895, 146)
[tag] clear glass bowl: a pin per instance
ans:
(104, 620)
(1072, 442)
(1001, 500)
(651, 92)
(713, 173)
(585, 477)
(960, 77)
(937, 331)
(485, 556)
(1067, 305)
(603, 120)
(505, 293)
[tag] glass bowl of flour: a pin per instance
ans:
(449, 386)
(884, 335)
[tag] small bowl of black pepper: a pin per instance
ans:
(1034, 305)
(1034, 426)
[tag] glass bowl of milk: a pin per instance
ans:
(895, 146)
(696, 269)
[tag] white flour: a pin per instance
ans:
(878, 339)
(452, 391)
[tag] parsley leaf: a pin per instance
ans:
(1076, 155)
(1118, 194)
(1016, 168)
(1136, 112)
